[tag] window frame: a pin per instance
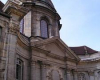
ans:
(19, 63)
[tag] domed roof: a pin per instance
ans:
(1, 6)
(50, 2)
(47, 2)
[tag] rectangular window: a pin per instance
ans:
(19, 69)
(0, 33)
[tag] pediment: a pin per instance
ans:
(56, 47)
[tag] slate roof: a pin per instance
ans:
(1, 6)
(50, 2)
(83, 50)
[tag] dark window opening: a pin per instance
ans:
(0, 33)
(19, 69)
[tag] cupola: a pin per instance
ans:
(42, 21)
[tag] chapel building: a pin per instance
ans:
(31, 47)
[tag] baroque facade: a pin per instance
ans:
(31, 48)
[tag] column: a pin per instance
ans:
(97, 75)
(11, 50)
(35, 24)
(50, 31)
(75, 76)
(91, 74)
(44, 72)
(33, 70)
(56, 29)
(68, 75)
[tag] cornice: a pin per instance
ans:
(11, 7)
(48, 53)
(91, 60)
(23, 41)
(55, 56)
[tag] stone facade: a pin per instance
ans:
(30, 56)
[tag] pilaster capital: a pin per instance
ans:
(13, 27)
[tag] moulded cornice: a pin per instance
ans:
(91, 60)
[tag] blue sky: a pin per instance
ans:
(80, 22)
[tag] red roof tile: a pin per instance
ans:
(82, 50)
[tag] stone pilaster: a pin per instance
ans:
(33, 70)
(11, 50)
(75, 76)
(50, 31)
(91, 74)
(34, 27)
(56, 29)
(96, 75)
(68, 75)
(44, 72)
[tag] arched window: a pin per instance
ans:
(44, 28)
(55, 75)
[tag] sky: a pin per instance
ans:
(80, 21)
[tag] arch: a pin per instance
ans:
(49, 73)
(45, 18)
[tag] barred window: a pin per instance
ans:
(0, 33)
(44, 29)
(19, 69)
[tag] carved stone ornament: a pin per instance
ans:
(50, 73)
(13, 28)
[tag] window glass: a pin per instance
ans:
(22, 25)
(44, 29)
(19, 69)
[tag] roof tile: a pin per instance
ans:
(82, 50)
